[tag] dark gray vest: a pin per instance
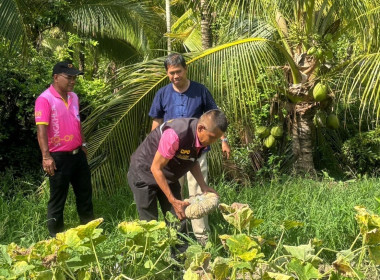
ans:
(180, 164)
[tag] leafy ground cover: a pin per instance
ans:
(303, 214)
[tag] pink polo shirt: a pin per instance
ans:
(169, 143)
(62, 119)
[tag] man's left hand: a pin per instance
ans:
(226, 149)
(207, 189)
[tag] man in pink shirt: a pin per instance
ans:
(63, 147)
(166, 154)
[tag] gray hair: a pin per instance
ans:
(217, 117)
(174, 59)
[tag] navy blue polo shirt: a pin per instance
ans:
(169, 104)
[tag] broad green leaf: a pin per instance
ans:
(190, 275)
(305, 253)
(152, 226)
(69, 238)
(20, 268)
(84, 275)
(343, 267)
(221, 268)
(367, 221)
(244, 247)
(239, 215)
(347, 255)
(304, 271)
(276, 276)
(237, 265)
(47, 247)
(4, 273)
(131, 229)
(195, 257)
(87, 230)
(373, 237)
(374, 254)
(149, 264)
(4, 257)
(292, 224)
(97, 238)
(45, 275)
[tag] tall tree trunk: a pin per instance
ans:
(205, 25)
(81, 56)
(168, 24)
(302, 137)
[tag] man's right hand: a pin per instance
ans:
(179, 208)
(48, 165)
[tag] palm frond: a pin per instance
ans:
(186, 29)
(360, 80)
(230, 71)
(11, 22)
(133, 21)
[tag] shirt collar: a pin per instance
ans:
(56, 94)
(197, 142)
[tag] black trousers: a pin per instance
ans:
(70, 169)
(146, 197)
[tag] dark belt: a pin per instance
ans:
(73, 152)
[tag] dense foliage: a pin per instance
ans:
(362, 152)
(246, 239)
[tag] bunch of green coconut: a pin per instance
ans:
(269, 136)
(321, 119)
(322, 49)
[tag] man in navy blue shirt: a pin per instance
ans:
(183, 98)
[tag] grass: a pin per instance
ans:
(326, 208)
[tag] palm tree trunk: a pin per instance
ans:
(205, 25)
(301, 128)
(168, 23)
(81, 56)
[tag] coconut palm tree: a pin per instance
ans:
(281, 52)
(125, 21)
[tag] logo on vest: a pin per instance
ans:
(186, 152)
(183, 154)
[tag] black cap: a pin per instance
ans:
(66, 68)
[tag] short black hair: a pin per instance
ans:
(174, 59)
(217, 117)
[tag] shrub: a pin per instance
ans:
(362, 152)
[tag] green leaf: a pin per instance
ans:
(342, 265)
(276, 276)
(374, 254)
(130, 229)
(238, 265)
(190, 275)
(373, 237)
(45, 275)
(305, 253)
(304, 271)
(87, 230)
(221, 268)
(239, 215)
(84, 275)
(4, 257)
(20, 268)
(244, 247)
(69, 238)
(195, 257)
(292, 224)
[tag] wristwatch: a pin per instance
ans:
(84, 144)
(225, 140)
